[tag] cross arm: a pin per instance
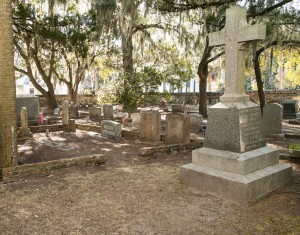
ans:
(217, 38)
(252, 33)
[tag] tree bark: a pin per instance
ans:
(8, 119)
(202, 73)
(260, 84)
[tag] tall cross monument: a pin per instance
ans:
(234, 36)
(235, 161)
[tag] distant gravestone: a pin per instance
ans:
(235, 161)
(177, 108)
(72, 125)
(65, 112)
(73, 110)
(136, 119)
(196, 121)
(150, 126)
(290, 109)
(108, 112)
(111, 129)
(24, 131)
(32, 105)
(95, 113)
(272, 120)
(177, 129)
(57, 111)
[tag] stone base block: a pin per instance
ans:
(24, 133)
(238, 163)
(274, 136)
(241, 188)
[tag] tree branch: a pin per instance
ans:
(268, 9)
(142, 27)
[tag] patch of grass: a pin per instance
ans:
(295, 146)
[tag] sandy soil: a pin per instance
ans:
(132, 195)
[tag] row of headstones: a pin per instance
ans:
(177, 129)
(95, 112)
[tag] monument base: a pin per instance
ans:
(243, 177)
(275, 136)
(24, 133)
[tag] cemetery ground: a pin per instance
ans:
(132, 194)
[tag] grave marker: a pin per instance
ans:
(290, 109)
(65, 112)
(177, 129)
(150, 126)
(272, 121)
(95, 113)
(111, 129)
(108, 111)
(24, 131)
(235, 161)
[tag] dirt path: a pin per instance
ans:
(132, 195)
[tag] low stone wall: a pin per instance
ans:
(86, 127)
(13, 173)
(193, 98)
(147, 151)
(43, 128)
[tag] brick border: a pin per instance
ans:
(40, 168)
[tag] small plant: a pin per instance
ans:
(295, 147)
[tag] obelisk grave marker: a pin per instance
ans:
(235, 161)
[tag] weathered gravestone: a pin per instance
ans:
(235, 161)
(177, 129)
(150, 126)
(272, 121)
(95, 113)
(136, 119)
(290, 109)
(196, 121)
(65, 112)
(24, 131)
(71, 125)
(108, 112)
(73, 110)
(31, 102)
(111, 129)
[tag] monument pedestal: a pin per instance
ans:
(241, 177)
(235, 161)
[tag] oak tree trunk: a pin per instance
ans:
(8, 144)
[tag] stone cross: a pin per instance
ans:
(233, 36)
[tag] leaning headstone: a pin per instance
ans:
(177, 129)
(111, 129)
(65, 112)
(136, 119)
(73, 110)
(108, 112)
(150, 126)
(196, 121)
(31, 102)
(95, 113)
(272, 121)
(235, 161)
(290, 109)
(24, 131)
